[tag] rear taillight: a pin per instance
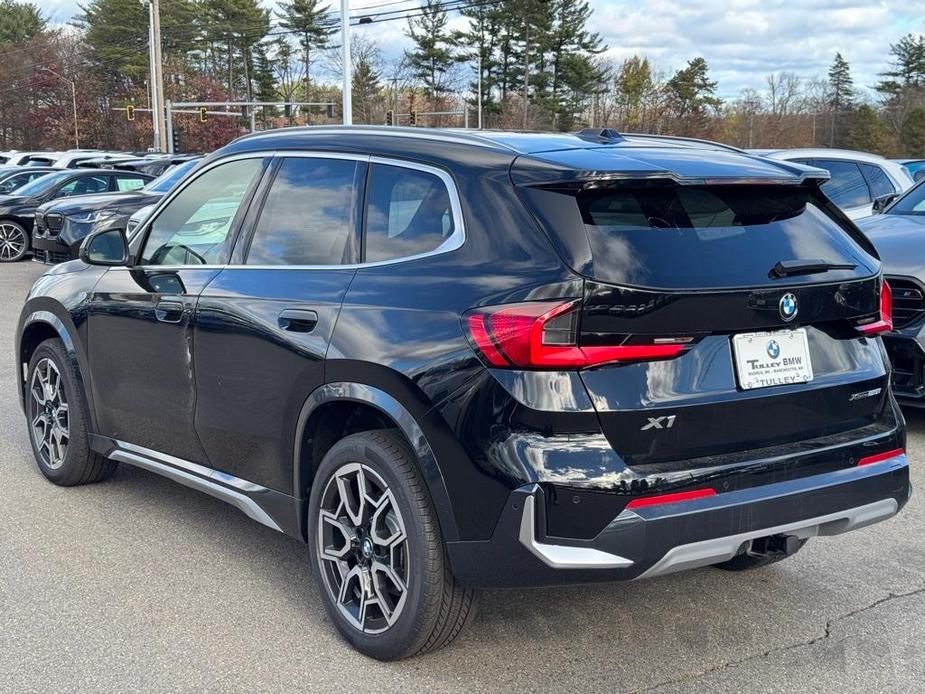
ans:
(544, 334)
(884, 323)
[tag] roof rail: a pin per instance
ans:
(602, 135)
(699, 140)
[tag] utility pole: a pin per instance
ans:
(73, 101)
(480, 87)
(157, 72)
(348, 68)
(156, 106)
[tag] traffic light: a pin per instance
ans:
(130, 112)
(414, 117)
(177, 141)
(203, 114)
(330, 110)
(390, 117)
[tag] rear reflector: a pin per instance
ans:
(544, 334)
(885, 323)
(670, 498)
(880, 457)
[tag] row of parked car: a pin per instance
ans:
(50, 201)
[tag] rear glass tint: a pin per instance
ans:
(678, 237)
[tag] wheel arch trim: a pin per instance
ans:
(391, 408)
(65, 334)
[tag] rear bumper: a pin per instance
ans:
(654, 540)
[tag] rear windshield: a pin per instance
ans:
(679, 237)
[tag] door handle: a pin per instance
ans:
(297, 320)
(169, 311)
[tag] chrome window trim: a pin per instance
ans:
(454, 242)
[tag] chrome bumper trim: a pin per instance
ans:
(562, 556)
(720, 549)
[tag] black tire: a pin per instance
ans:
(434, 608)
(747, 562)
(78, 464)
(15, 241)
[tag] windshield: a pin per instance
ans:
(42, 185)
(166, 180)
(912, 202)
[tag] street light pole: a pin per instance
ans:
(348, 68)
(158, 74)
(73, 101)
(156, 105)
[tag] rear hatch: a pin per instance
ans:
(750, 301)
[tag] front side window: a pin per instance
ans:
(408, 213)
(846, 187)
(193, 226)
(307, 218)
(84, 186)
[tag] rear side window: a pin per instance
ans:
(125, 183)
(694, 237)
(307, 218)
(84, 186)
(880, 183)
(408, 213)
(846, 187)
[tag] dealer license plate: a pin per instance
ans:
(772, 358)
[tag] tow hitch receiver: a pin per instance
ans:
(774, 545)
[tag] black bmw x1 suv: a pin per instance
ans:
(450, 360)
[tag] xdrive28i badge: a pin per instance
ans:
(788, 307)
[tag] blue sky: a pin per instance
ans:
(742, 40)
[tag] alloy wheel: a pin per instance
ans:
(50, 424)
(12, 242)
(362, 548)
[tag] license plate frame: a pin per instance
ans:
(761, 364)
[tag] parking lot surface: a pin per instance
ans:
(141, 584)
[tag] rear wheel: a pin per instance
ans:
(14, 242)
(377, 551)
(57, 420)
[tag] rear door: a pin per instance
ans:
(755, 291)
(263, 325)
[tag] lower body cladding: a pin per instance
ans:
(659, 539)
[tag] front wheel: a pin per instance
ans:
(14, 242)
(377, 551)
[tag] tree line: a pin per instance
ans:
(533, 64)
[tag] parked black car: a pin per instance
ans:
(155, 165)
(449, 360)
(62, 225)
(899, 235)
(17, 211)
(14, 177)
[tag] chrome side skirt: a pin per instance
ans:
(220, 485)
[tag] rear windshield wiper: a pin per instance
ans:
(788, 268)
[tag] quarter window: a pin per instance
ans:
(408, 213)
(192, 228)
(846, 187)
(307, 218)
(880, 183)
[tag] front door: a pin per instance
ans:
(140, 317)
(263, 325)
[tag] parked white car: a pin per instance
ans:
(857, 178)
(69, 160)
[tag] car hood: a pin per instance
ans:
(89, 203)
(898, 239)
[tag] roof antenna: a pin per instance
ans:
(603, 135)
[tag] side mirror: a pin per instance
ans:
(106, 247)
(881, 203)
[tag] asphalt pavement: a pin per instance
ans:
(139, 584)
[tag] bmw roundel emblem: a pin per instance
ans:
(788, 307)
(773, 349)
